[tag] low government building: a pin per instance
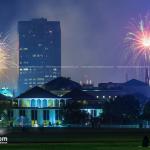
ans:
(36, 107)
(39, 107)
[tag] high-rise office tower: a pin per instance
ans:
(39, 52)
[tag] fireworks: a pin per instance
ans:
(138, 40)
(6, 62)
(138, 37)
(4, 57)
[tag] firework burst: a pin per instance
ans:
(138, 37)
(6, 61)
(138, 40)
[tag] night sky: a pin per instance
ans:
(93, 32)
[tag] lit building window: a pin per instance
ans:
(34, 55)
(56, 103)
(25, 49)
(103, 96)
(39, 103)
(40, 79)
(33, 103)
(44, 103)
(50, 31)
(54, 69)
(25, 69)
(40, 83)
(46, 76)
(25, 62)
(39, 44)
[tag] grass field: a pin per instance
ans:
(77, 146)
(76, 139)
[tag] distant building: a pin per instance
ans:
(137, 88)
(110, 86)
(89, 103)
(87, 85)
(106, 91)
(39, 52)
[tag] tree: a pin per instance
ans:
(5, 107)
(121, 110)
(22, 121)
(73, 114)
(146, 111)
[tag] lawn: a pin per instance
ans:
(74, 146)
(76, 139)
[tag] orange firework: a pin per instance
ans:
(138, 40)
(138, 37)
(6, 60)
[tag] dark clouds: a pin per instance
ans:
(92, 31)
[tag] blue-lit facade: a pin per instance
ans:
(38, 112)
(38, 107)
(44, 112)
(39, 52)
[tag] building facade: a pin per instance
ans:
(38, 107)
(39, 52)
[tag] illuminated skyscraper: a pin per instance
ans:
(39, 52)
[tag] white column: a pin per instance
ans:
(58, 102)
(40, 117)
(52, 117)
(36, 102)
(53, 102)
(28, 115)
